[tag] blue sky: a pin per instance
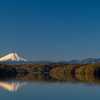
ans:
(50, 29)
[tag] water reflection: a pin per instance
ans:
(48, 77)
(12, 86)
(49, 86)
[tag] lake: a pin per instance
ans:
(29, 90)
(50, 82)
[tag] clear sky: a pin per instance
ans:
(50, 29)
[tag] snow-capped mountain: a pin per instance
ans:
(12, 57)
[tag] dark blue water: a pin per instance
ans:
(24, 90)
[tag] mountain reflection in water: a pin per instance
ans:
(49, 87)
(12, 86)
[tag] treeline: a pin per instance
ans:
(53, 68)
(52, 72)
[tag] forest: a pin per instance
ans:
(52, 72)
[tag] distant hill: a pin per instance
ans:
(24, 62)
(88, 60)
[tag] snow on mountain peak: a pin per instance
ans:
(12, 57)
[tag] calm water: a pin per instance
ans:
(25, 90)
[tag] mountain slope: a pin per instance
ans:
(88, 60)
(12, 57)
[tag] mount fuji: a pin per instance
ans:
(12, 57)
